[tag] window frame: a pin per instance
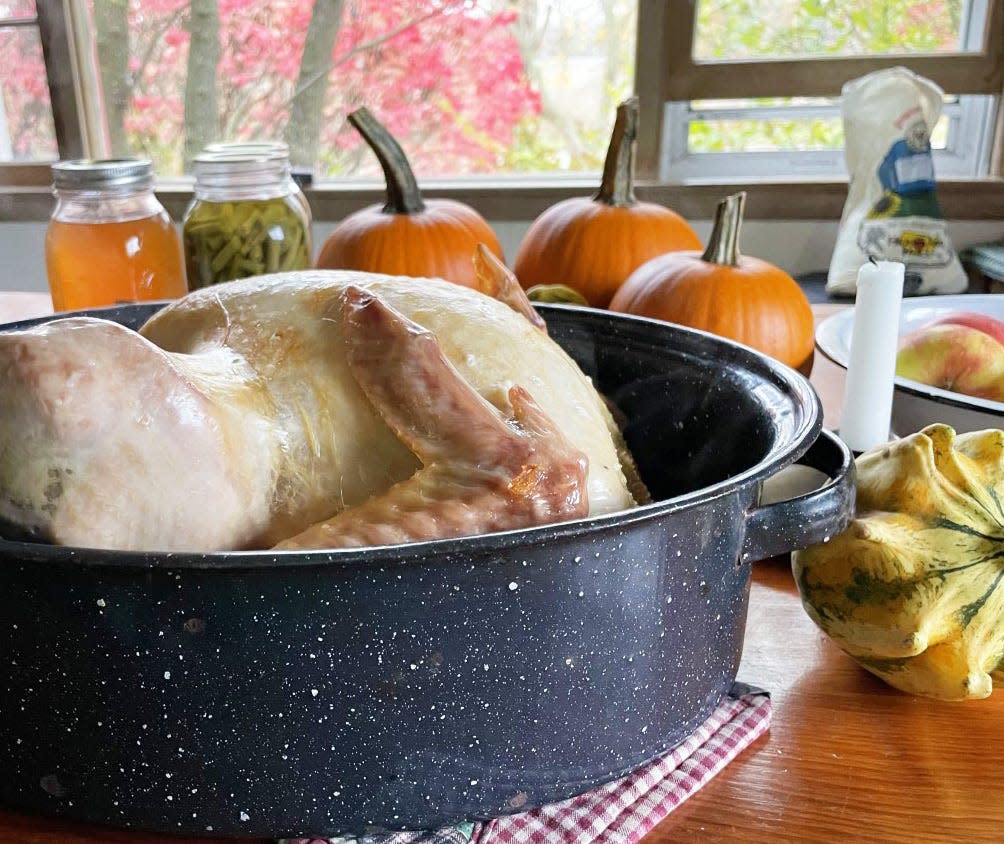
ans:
(57, 22)
(965, 156)
(665, 71)
(665, 47)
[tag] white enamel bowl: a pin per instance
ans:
(916, 405)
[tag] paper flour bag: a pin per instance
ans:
(892, 210)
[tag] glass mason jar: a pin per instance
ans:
(248, 216)
(109, 240)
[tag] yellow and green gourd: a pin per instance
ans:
(560, 293)
(913, 589)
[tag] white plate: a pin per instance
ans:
(916, 405)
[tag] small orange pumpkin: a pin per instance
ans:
(729, 294)
(592, 244)
(409, 235)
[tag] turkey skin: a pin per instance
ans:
(300, 408)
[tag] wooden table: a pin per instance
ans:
(14, 306)
(847, 758)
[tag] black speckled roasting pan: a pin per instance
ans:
(262, 694)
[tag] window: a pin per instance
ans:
(489, 92)
(27, 132)
(750, 88)
(487, 87)
(46, 109)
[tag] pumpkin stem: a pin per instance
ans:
(723, 245)
(617, 186)
(403, 196)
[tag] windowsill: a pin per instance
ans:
(805, 199)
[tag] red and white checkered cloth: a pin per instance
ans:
(622, 811)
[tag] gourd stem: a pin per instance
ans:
(617, 186)
(723, 245)
(403, 196)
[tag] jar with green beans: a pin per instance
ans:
(247, 218)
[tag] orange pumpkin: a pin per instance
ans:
(409, 235)
(592, 244)
(729, 294)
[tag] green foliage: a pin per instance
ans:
(532, 150)
(755, 135)
(732, 29)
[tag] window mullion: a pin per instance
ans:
(664, 37)
(960, 73)
(55, 38)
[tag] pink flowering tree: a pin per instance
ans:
(446, 76)
(25, 114)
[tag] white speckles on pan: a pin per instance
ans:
(423, 692)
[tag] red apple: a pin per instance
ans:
(981, 322)
(953, 357)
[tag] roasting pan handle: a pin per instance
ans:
(785, 526)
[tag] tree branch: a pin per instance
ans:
(201, 116)
(362, 48)
(153, 43)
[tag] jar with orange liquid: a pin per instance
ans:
(109, 239)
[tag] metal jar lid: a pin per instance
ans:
(241, 166)
(102, 173)
(269, 149)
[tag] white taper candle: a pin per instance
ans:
(871, 368)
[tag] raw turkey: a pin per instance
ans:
(312, 409)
